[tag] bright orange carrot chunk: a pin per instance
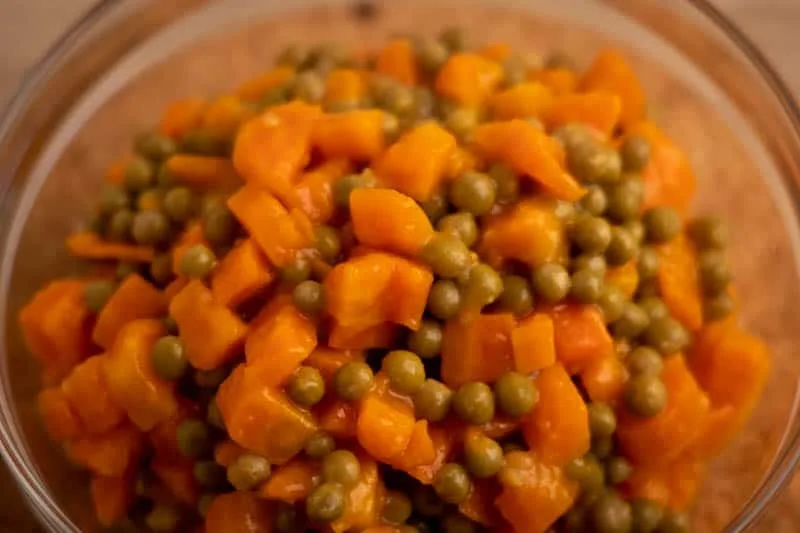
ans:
(242, 273)
(132, 382)
(678, 282)
(398, 61)
(599, 110)
(111, 497)
(468, 79)
(111, 454)
(611, 73)
(418, 161)
(203, 171)
(580, 336)
(529, 232)
(357, 135)
(90, 245)
(533, 343)
(557, 429)
(385, 426)
(60, 419)
(258, 87)
(521, 101)
(292, 482)
(530, 152)
(280, 233)
(211, 332)
(314, 189)
(182, 116)
(389, 220)
(134, 299)
(239, 512)
(477, 349)
(345, 85)
(87, 393)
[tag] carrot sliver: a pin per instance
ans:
(89, 245)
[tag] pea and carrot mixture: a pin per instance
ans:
(429, 288)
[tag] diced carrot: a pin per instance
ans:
(203, 171)
(581, 336)
(362, 337)
(338, 418)
(111, 454)
(226, 452)
(611, 73)
(239, 512)
(345, 85)
(242, 273)
(90, 245)
(182, 116)
(477, 349)
(559, 80)
(533, 343)
(111, 497)
(604, 378)
(87, 393)
(398, 61)
(468, 79)
(357, 135)
(524, 100)
(678, 282)
(385, 426)
(134, 299)
(60, 419)
(292, 482)
(329, 360)
(177, 475)
(257, 87)
(314, 189)
(224, 115)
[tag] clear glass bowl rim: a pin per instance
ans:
(13, 449)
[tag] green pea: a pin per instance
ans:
(399, 100)
(673, 522)
(193, 438)
(170, 324)
(204, 503)
(397, 507)
(661, 224)
(455, 39)
(139, 174)
(446, 255)
(655, 308)
(179, 204)
(601, 447)
(325, 503)
(573, 521)
(648, 263)
(513, 446)
(113, 199)
(444, 299)
(150, 227)
(164, 177)
(666, 335)
(289, 519)
(515, 394)
(150, 200)
(565, 212)
(612, 303)
(618, 470)
(455, 522)
(119, 225)
(594, 201)
(452, 483)
(431, 55)
(593, 263)
(163, 518)
(426, 502)
(297, 271)
(610, 514)
(647, 288)
(308, 86)
(644, 360)
(426, 342)
(622, 248)
(211, 379)
(587, 472)
(550, 282)
(484, 285)
(306, 387)
(586, 286)
(516, 297)
(435, 207)
(126, 269)
(592, 162)
(483, 456)
(391, 126)
(646, 395)
(97, 293)
(432, 401)
(631, 323)
(461, 225)
(353, 380)
(347, 184)
(155, 146)
(209, 474)
(198, 262)
(214, 415)
(708, 233)
(474, 403)
(169, 358)
(591, 234)
(506, 183)
(635, 228)
(715, 275)
(327, 243)
(473, 192)
(645, 516)
(219, 225)
(635, 153)
(97, 223)
(202, 142)
(625, 199)
(342, 467)
(717, 307)
(462, 122)
(161, 268)
(319, 445)
(602, 420)
(572, 136)
(292, 56)
(248, 471)
(515, 71)
(309, 297)
(405, 371)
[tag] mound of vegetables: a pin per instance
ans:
(433, 288)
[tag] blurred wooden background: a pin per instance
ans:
(28, 27)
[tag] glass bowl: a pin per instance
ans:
(112, 73)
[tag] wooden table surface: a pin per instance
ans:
(27, 27)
